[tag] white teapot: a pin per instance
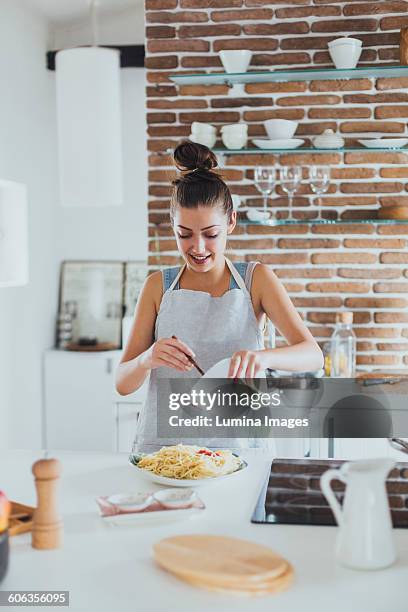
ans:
(365, 538)
(328, 140)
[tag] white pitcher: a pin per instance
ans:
(365, 539)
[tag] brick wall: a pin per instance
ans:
(363, 268)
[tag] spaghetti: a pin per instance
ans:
(190, 462)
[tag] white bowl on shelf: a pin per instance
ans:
(280, 128)
(207, 140)
(202, 128)
(258, 215)
(235, 60)
(345, 52)
(386, 143)
(284, 143)
(235, 141)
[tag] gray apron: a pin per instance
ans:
(214, 328)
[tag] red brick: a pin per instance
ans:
(393, 230)
(391, 287)
(276, 113)
(319, 302)
(180, 103)
(376, 332)
(387, 112)
(371, 187)
(392, 346)
(203, 90)
(160, 32)
(257, 243)
(345, 25)
(308, 100)
(253, 44)
(370, 302)
(162, 245)
(164, 61)
(375, 8)
(161, 117)
(307, 243)
(352, 173)
(280, 59)
(376, 158)
(349, 85)
(308, 11)
(305, 43)
(390, 53)
(232, 102)
(323, 57)
(393, 201)
(339, 113)
(393, 23)
(392, 83)
(379, 40)
(321, 332)
(338, 287)
(394, 172)
(176, 17)
(391, 317)
(377, 360)
(241, 15)
(393, 97)
(279, 258)
(164, 260)
(325, 258)
(343, 229)
(210, 3)
(160, 46)
(157, 5)
(200, 61)
(293, 86)
(200, 31)
(355, 127)
(268, 29)
(367, 273)
(304, 273)
(168, 130)
(391, 258)
(210, 117)
(376, 243)
(161, 91)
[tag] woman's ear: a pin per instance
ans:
(232, 223)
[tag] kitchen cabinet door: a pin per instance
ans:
(79, 397)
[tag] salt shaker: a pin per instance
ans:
(47, 524)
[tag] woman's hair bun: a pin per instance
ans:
(190, 155)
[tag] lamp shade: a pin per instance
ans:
(89, 126)
(13, 234)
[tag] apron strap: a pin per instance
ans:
(176, 280)
(236, 276)
(234, 272)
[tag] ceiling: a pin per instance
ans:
(65, 11)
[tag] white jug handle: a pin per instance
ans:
(325, 481)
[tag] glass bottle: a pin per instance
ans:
(343, 347)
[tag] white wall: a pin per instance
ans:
(27, 154)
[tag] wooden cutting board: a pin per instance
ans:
(21, 518)
(223, 564)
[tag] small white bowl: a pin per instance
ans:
(345, 40)
(175, 498)
(235, 128)
(257, 215)
(386, 143)
(284, 143)
(206, 128)
(236, 60)
(131, 502)
(235, 141)
(280, 128)
(207, 140)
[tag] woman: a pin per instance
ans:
(213, 308)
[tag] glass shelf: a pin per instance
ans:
(275, 222)
(254, 151)
(283, 76)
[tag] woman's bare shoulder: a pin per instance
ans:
(153, 288)
(263, 273)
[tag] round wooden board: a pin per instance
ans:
(220, 562)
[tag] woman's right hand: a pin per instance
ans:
(169, 353)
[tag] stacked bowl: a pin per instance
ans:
(280, 135)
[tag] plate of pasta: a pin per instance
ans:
(185, 465)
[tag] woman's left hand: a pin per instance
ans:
(246, 364)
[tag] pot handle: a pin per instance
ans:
(325, 482)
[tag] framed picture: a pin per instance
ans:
(91, 295)
(135, 275)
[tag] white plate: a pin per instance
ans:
(174, 482)
(151, 517)
(387, 143)
(281, 143)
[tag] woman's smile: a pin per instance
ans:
(199, 260)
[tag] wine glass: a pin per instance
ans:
(264, 180)
(319, 182)
(290, 180)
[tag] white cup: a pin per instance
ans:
(280, 128)
(208, 140)
(345, 52)
(202, 128)
(236, 141)
(235, 129)
(236, 60)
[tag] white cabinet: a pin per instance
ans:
(82, 409)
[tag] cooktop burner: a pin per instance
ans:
(292, 494)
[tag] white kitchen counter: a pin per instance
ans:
(110, 568)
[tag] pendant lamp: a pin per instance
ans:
(13, 234)
(89, 125)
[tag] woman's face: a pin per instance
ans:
(201, 235)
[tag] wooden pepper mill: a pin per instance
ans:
(47, 524)
(404, 46)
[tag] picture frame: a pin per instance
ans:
(135, 276)
(91, 295)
